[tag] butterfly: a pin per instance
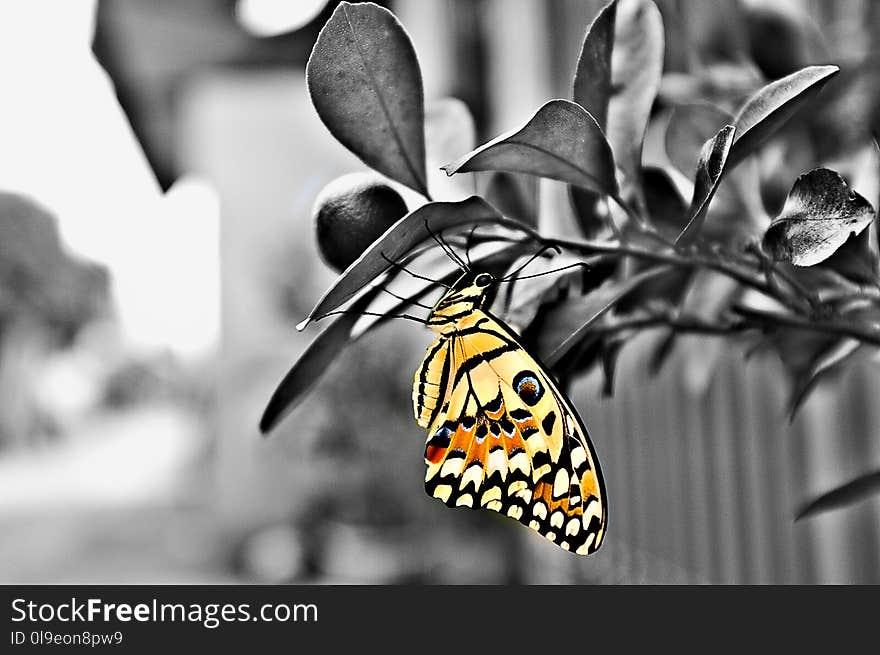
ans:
(501, 434)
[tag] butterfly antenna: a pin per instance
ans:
(403, 268)
(409, 317)
(446, 248)
(555, 270)
(467, 245)
(540, 252)
(411, 301)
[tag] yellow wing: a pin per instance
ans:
(501, 436)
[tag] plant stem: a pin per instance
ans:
(677, 258)
(771, 268)
(740, 272)
(828, 327)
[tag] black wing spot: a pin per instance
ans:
(441, 438)
(520, 414)
(481, 431)
(548, 422)
(541, 458)
(529, 387)
(467, 423)
(495, 430)
(494, 405)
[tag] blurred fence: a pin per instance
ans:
(704, 484)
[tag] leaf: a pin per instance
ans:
(561, 141)
(768, 109)
(819, 215)
(851, 492)
(688, 129)
(312, 364)
(661, 351)
(610, 354)
(449, 130)
(577, 317)
(590, 211)
(401, 238)
(706, 179)
(664, 203)
(856, 259)
(825, 362)
(365, 82)
(591, 87)
(636, 69)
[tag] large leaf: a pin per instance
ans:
(561, 141)
(313, 363)
(636, 69)
(401, 238)
(577, 317)
(365, 83)
(710, 167)
(825, 362)
(851, 492)
(819, 215)
(592, 87)
(767, 110)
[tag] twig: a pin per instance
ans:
(772, 268)
(678, 258)
(828, 327)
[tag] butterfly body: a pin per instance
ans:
(501, 435)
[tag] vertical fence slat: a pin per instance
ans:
(694, 427)
(752, 450)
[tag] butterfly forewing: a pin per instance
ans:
(501, 436)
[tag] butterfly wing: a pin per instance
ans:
(501, 436)
(430, 382)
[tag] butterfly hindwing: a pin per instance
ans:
(430, 381)
(501, 436)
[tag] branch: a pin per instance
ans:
(836, 328)
(771, 268)
(677, 258)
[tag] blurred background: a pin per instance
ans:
(159, 164)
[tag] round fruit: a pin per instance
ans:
(350, 213)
